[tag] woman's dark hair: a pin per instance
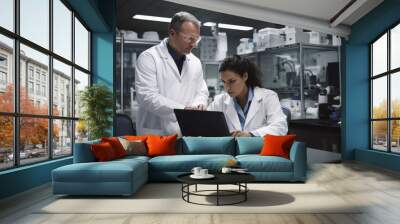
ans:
(241, 65)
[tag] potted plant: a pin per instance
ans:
(96, 104)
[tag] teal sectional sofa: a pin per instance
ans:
(125, 176)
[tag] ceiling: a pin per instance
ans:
(326, 16)
(127, 8)
(318, 9)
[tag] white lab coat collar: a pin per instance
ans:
(254, 107)
(167, 56)
(231, 112)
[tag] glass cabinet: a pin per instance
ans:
(126, 55)
(305, 76)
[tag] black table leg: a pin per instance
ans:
(245, 193)
(188, 190)
(217, 194)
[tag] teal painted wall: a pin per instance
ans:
(356, 83)
(24, 178)
(100, 16)
(103, 50)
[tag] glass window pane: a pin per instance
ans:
(379, 55)
(395, 47)
(6, 142)
(37, 101)
(379, 135)
(35, 21)
(81, 81)
(62, 29)
(379, 98)
(395, 136)
(81, 131)
(62, 141)
(7, 14)
(6, 74)
(62, 89)
(395, 95)
(33, 139)
(81, 45)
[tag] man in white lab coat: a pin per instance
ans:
(169, 76)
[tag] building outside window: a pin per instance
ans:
(43, 77)
(37, 74)
(3, 78)
(30, 87)
(30, 72)
(43, 90)
(38, 89)
(3, 71)
(3, 61)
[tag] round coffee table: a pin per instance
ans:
(238, 179)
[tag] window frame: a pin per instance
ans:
(16, 114)
(388, 74)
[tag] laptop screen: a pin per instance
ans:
(202, 123)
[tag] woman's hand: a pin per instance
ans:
(241, 134)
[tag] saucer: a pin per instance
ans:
(208, 176)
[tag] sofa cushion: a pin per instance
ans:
(128, 159)
(277, 145)
(83, 152)
(185, 163)
(112, 171)
(249, 145)
(103, 151)
(135, 137)
(257, 163)
(136, 147)
(208, 145)
(161, 145)
(116, 145)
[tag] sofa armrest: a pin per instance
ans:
(298, 155)
(83, 152)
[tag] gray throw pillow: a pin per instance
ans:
(136, 147)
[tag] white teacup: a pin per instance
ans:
(196, 171)
(226, 170)
(203, 172)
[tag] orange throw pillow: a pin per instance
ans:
(277, 145)
(103, 151)
(116, 145)
(135, 138)
(161, 145)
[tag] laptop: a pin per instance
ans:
(202, 123)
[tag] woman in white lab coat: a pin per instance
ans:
(249, 109)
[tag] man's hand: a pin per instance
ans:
(198, 107)
(201, 107)
(241, 134)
